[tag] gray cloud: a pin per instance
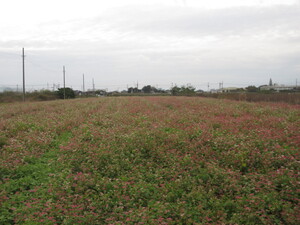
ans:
(157, 24)
(195, 22)
(161, 45)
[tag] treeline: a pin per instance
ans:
(191, 90)
(250, 93)
(42, 95)
(148, 89)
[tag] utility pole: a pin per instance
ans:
(207, 87)
(23, 57)
(221, 85)
(93, 86)
(64, 72)
(83, 88)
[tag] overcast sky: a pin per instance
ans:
(157, 42)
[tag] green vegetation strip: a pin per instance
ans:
(30, 181)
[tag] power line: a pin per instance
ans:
(13, 85)
(42, 66)
(15, 55)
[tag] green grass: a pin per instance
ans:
(25, 179)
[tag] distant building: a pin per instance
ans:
(231, 89)
(270, 82)
(215, 90)
(276, 87)
(199, 91)
(77, 92)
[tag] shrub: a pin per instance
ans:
(68, 92)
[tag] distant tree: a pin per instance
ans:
(183, 90)
(147, 89)
(100, 92)
(175, 90)
(69, 93)
(187, 90)
(133, 90)
(252, 89)
(130, 90)
(160, 90)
